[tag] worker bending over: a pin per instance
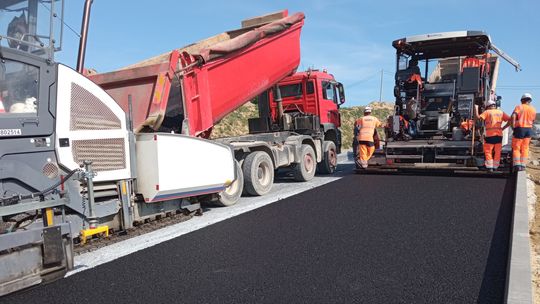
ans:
(365, 128)
(522, 122)
(493, 119)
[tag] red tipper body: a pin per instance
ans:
(191, 89)
(309, 93)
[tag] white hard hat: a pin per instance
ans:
(526, 96)
(367, 109)
(491, 103)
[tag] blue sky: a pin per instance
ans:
(352, 39)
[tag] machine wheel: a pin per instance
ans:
(258, 173)
(231, 194)
(305, 170)
(328, 163)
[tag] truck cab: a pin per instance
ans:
(310, 103)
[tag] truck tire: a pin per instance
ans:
(258, 173)
(305, 170)
(328, 163)
(231, 194)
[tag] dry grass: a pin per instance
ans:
(235, 123)
(533, 172)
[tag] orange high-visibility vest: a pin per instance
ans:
(415, 78)
(493, 119)
(366, 126)
(525, 116)
(405, 122)
(471, 62)
(475, 62)
(467, 125)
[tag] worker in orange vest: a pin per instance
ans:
(467, 126)
(493, 119)
(522, 122)
(365, 127)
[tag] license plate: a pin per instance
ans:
(10, 132)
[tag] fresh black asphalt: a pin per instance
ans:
(362, 239)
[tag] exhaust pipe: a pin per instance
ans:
(279, 103)
(84, 36)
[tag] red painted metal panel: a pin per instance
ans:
(217, 88)
(148, 86)
(215, 82)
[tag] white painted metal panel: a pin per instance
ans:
(435, 36)
(66, 79)
(174, 166)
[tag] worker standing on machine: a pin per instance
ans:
(493, 119)
(365, 128)
(522, 122)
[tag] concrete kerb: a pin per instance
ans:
(519, 277)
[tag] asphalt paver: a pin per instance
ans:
(362, 239)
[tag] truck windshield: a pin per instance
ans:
(18, 88)
(31, 25)
(328, 91)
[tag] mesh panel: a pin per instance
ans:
(50, 170)
(106, 154)
(90, 113)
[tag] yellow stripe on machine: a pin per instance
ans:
(49, 215)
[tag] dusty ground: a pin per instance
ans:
(533, 171)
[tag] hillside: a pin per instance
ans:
(236, 122)
(381, 110)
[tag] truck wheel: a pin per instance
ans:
(258, 173)
(305, 170)
(328, 163)
(231, 194)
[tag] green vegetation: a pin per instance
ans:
(349, 115)
(236, 123)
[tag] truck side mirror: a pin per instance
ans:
(498, 101)
(341, 92)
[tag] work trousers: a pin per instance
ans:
(365, 153)
(492, 155)
(520, 151)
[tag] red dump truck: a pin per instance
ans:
(188, 91)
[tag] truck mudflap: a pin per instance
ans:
(34, 256)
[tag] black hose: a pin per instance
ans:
(16, 198)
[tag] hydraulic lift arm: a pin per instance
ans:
(506, 57)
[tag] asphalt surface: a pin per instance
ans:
(363, 239)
